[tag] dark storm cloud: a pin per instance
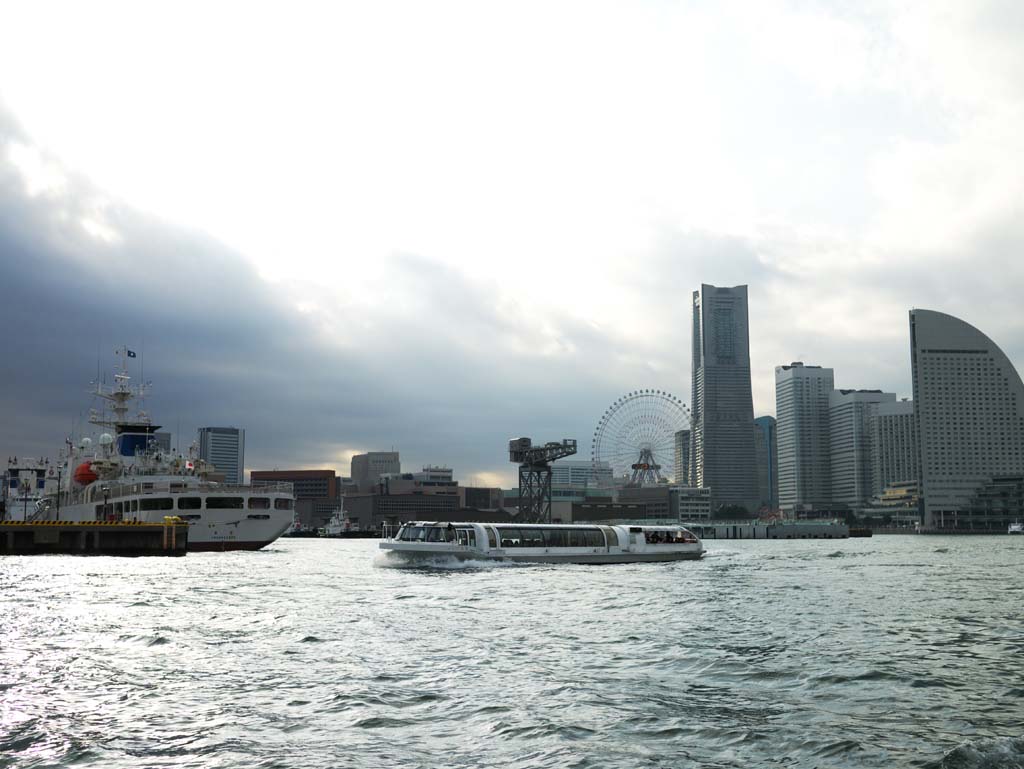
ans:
(441, 369)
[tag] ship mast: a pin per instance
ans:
(119, 396)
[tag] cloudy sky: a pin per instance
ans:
(436, 226)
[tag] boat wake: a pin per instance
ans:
(391, 560)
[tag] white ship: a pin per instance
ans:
(543, 543)
(27, 483)
(127, 476)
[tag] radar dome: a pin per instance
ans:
(106, 439)
(85, 443)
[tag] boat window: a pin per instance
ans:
(118, 508)
(510, 537)
(532, 537)
(556, 537)
(157, 503)
(224, 503)
(612, 537)
(413, 534)
(190, 503)
(259, 503)
(258, 516)
(436, 534)
(593, 538)
(492, 539)
(466, 537)
(283, 504)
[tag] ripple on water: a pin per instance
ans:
(306, 655)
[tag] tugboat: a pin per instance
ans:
(128, 477)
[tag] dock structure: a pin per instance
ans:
(126, 538)
(777, 530)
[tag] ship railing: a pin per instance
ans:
(118, 490)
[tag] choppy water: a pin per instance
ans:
(888, 652)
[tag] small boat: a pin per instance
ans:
(543, 543)
(1016, 528)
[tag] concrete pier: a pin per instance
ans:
(780, 530)
(94, 538)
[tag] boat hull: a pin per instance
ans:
(427, 553)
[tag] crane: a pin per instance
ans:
(535, 474)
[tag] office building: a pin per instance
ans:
(682, 458)
(722, 453)
(317, 492)
(852, 418)
(580, 474)
(802, 436)
(369, 467)
(894, 433)
(767, 455)
(969, 410)
(224, 448)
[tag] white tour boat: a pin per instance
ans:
(543, 543)
(1015, 528)
(128, 477)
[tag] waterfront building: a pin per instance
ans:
(224, 448)
(369, 467)
(317, 492)
(693, 504)
(802, 435)
(851, 445)
(969, 410)
(895, 450)
(722, 453)
(767, 455)
(897, 506)
(682, 457)
(580, 474)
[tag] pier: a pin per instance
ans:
(126, 538)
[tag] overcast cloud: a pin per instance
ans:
(436, 227)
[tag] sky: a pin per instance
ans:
(432, 227)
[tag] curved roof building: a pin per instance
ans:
(969, 408)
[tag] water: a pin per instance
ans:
(883, 652)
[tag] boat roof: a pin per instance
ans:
(519, 525)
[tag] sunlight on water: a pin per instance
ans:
(882, 652)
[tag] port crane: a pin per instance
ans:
(535, 475)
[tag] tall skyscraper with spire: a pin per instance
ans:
(723, 457)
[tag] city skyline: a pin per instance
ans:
(334, 282)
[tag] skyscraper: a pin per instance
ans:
(682, 458)
(852, 416)
(894, 432)
(969, 410)
(802, 424)
(224, 448)
(722, 456)
(767, 453)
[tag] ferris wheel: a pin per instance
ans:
(637, 437)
